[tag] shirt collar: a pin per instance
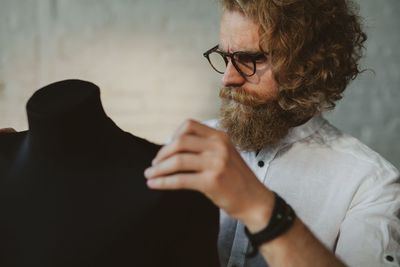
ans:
(303, 131)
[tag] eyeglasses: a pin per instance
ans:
(244, 62)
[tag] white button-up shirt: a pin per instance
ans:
(347, 194)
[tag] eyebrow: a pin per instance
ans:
(244, 51)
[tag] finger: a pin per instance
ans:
(185, 162)
(192, 127)
(187, 143)
(190, 181)
(7, 130)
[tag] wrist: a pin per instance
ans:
(281, 220)
(259, 212)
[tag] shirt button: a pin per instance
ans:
(260, 164)
(389, 258)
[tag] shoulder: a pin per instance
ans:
(339, 152)
(344, 144)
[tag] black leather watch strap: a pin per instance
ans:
(282, 219)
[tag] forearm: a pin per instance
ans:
(295, 247)
(298, 247)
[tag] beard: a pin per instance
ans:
(251, 123)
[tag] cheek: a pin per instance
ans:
(267, 88)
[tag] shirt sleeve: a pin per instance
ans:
(370, 232)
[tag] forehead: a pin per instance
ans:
(238, 32)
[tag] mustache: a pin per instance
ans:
(239, 95)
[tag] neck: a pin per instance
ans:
(67, 116)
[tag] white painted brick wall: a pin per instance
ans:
(146, 56)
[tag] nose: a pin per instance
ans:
(231, 77)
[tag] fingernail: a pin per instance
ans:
(148, 172)
(152, 183)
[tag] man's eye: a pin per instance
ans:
(249, 58)
(244, 58)
(260, 58)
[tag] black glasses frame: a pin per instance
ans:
(232, 57)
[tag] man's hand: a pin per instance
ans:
(7, 130)
(204, 159)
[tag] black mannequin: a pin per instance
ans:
(72, 192)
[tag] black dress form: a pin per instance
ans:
(72, 193)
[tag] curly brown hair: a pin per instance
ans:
(314, 47)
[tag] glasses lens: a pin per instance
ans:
(245, 63)
(217, 61)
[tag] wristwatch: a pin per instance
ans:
(282, 219)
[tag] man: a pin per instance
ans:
(283, 64)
